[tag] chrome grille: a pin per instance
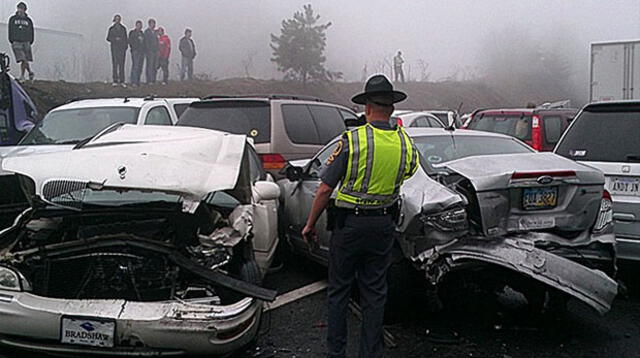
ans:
(67, 193)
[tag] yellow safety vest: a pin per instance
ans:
(379, 162)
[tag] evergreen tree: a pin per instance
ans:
(299, 50)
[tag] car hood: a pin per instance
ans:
(24, 150)
(190, 162)
(490, 172)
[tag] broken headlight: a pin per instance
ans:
(449, 220)
(9, 279)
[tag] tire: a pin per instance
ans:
(246, 270)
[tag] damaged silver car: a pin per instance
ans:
(485, 200)
(140, 241)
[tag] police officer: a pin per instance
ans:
(370, 163)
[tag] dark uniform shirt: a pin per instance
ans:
(336, 165)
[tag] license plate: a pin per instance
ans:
(625, 186)
(92, 332)
(539, 198)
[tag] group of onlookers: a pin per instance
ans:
(151, 46)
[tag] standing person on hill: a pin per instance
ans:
(164, 52)
(188, 50)
(398, 64)
(117, 37)
(151, 46)
(136, 43)
(21, 36)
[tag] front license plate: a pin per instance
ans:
(625, 186)
(539, 198)
(88, 332)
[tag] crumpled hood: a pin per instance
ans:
(190, 162)
(492, 172)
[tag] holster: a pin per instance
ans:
(335, 218)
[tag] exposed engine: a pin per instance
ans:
(133, 255)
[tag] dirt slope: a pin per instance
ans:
(422, 95)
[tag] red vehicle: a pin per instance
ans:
(541, 128)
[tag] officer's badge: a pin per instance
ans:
(336, 152)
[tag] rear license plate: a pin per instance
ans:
(625, 186)
(539, 198)
(92, 332)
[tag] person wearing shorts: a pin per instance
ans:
(21, 36)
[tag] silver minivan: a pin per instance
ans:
(606, 135)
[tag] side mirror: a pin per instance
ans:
(266, 190)
(293, 173)
(355, 122)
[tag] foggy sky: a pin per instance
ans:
(448, 35)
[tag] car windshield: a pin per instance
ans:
(518, 126)
(603, 137)
(251, 118)
(444, 148)
(114, 198)
(71, 126)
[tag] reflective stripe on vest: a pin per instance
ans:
(379, 162)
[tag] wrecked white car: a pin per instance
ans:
(485, 200)
(142, 241)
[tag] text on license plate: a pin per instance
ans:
(88, 332)
(625, 186)
(539, 198)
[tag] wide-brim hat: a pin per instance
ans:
(379, 87)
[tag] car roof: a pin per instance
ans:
(523, 110)
(271, 100)
(134, 102)
(432, 132)
(612, 104)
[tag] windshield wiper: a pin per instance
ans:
(633, 157)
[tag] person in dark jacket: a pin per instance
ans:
(136, 43)
(151, 47)
(117, 36)
(188, 50)
(21, 36)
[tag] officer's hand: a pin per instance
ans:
(309, 233)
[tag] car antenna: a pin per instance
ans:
(126, 100)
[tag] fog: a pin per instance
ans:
(439, 39)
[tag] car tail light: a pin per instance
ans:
(536, 134)
(272, 161)
(536, 175)
(605, 215)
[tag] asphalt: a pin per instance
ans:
(299, 328)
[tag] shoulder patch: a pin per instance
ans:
(336, 151)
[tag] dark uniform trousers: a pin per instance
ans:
(361, 247)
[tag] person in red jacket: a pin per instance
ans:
(164, 52)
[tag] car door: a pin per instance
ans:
(298, 198)
(265, 216)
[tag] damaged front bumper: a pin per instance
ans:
(141, 328)
(590, 286)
